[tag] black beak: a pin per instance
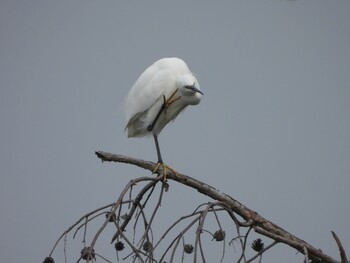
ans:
(196, 90)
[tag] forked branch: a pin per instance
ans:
(250, 217)
(134, 216)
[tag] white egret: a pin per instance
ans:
(161, 92)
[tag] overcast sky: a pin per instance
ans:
(272, 129)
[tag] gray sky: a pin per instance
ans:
(272, 129)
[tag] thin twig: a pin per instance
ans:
(134, 249)
(201, 249)
(243, 243)
(179, 235)
(75, 224)
(116, 205)
(103, 258)
(343, 257)
(199, 232)
(65, 249)
(218, 221)
(306, 254)
(84, 224)
(137, 199)
(154, 211)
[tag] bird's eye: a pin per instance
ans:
(190, 87)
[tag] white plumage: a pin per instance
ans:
(161, 92)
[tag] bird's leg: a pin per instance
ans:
(170, 100)
(160, 161)
(151, 126)
(166, 103)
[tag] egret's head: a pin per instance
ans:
(189, 89)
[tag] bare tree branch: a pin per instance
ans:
(134, 215)
(341, 249)
(256, 221)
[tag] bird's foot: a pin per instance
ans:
(164, 168)
(170, 100)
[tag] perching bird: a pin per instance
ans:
(161, 92)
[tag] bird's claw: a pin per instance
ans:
(170, 100)
(164, 169)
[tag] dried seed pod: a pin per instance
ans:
(119, 246)
(188, 248)
(86, 254)
(147, 246)
(112, 217)
(258, 245)
(49, 260)
(166, 186)
(219, 235)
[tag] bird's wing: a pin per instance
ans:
(150, 86)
